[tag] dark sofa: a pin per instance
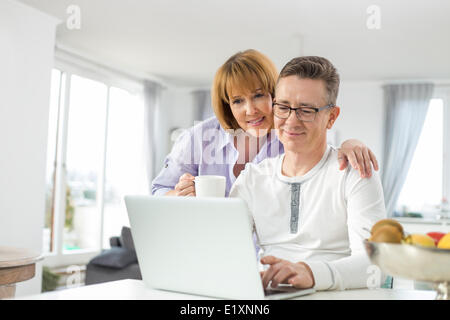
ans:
(119, 262)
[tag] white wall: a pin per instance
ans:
(176, 110)
(362, 114)
(26, 59)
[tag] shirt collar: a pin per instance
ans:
(308, 175)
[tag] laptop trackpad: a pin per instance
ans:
(281, 288)
(285, 291)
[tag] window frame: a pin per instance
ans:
(70, 65)
(443, 92)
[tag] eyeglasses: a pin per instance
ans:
(306, 114)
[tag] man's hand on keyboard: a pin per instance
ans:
(282, 271)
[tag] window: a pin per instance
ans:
(95, 156)
(125, 159)
(84, 155)
(423, 191)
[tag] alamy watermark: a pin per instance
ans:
(374, 279)
(73, 21)
(203, 145)
(74, 278)
(373, 21)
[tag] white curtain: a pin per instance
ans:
(152, 95)
(406, 107)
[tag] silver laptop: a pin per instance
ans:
(200, 246)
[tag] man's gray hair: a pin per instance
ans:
(313, 67)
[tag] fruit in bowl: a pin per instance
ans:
(391, 231)
(420, 240)
(387, 233)
(444, 242)
(387, 230)
(436, 236)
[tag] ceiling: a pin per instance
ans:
(185, 41)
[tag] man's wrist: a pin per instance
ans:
(309, 271)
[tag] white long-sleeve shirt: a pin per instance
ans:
(320, 218)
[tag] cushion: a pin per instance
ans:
(116, 257)
(115, 242)
(127, 239)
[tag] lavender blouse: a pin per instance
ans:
(207, 149)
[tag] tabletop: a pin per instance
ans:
(15, 257)
(136, 290)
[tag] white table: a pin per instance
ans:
(136, 290)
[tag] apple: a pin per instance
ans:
(436, 236)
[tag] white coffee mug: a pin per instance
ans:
(210, 186)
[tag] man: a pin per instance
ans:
(310, 218)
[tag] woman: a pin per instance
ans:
(242, 94)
